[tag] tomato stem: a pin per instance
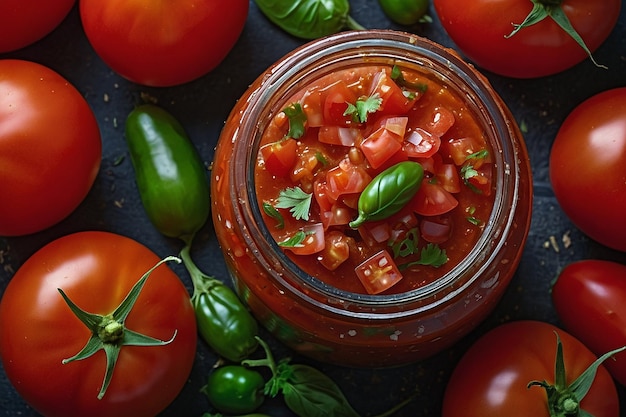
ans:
(108, 332)
(552, 8)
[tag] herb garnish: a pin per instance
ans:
(297, 118)
(297, 201)
(468, 171)
(398, 78)
(431, 255)
(271, 211)
(294, 241)
(363, 107)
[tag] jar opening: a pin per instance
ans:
(352, 49)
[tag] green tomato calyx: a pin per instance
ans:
(109, 333)
(552, 8)
(563, 399)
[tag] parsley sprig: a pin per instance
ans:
(363, 107)
(297, 201)
(431, 254)
(297, 119)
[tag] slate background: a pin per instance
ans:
(202, 106)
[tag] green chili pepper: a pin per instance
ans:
(235, 389)
(405, 12)
(175, 193)
(170, 175)
(309, 19)
(389, 192)
(223, 321)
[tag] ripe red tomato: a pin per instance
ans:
(589, 299)
(480, 28)
(38, 330)
(491, 378)
(587, 169)
(163, 43)
(50, 148)
(25, 22)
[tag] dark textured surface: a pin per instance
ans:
(202, 106)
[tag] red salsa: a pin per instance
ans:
(396, 147)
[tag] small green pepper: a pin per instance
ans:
(389, 192)
(170, 175)
(223, 321)
(405, 12)
(235, 389)
(174, 190)
(309, 19)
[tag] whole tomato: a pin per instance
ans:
(25, 22)
(589, 298)
(481, 30)
(38, 330)
(163, 43)
(492, 377)
(50, 147)
(587, 168)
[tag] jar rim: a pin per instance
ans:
(354, 47)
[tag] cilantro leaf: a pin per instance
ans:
(297, 118)
(294, 241)
(363, 107)
(297, 201)
(398, 78)
(271, 211)
(431, 255)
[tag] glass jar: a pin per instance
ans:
(350, 329)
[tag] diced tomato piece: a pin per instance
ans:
(305, 167)
(436, 230)
(380, 146)
(459, 149)
(421, 144)
(346, 178)
(336, 99)
(320, 193)
(442, 120)
(482, 181)
(336, 135)
(432, 200)
(280, 157)
(337, 215)
(336, 251)
(313, 242)
(378, 273)
(394, 100)
(311, 103)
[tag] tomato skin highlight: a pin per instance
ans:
(25, 22)
(587, 169)
(491, 378)
(589, 299)
(46, 167)
(162, 43)
(479, 29)
(38, 330)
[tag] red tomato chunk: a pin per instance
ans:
(343, 130)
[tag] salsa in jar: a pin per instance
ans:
(445, 172)
(396, 147)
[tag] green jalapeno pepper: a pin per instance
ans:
(389, 192)
(235, 389)
(170, 175)
(174, 190)
(405, 12)
(309, 19)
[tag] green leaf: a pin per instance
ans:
(363, 107)
(406, 247)
(297, 201)
(398, 78)
(431, 255)
(294, 241)
(271, 211)
(297, 119)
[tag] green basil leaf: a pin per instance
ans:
(309, 19)
(389, 192)
(310, 393)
